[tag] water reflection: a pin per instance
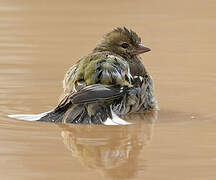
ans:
(113, 150)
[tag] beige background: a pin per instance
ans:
(40, 40)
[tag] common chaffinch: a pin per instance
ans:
(108, 83)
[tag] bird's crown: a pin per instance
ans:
(123, 34)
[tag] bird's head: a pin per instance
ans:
(123, 42)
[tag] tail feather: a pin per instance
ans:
(79, 117)
(29, 117)
(55, 115)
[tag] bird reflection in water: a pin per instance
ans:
(114, 150)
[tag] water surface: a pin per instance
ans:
(40, 40)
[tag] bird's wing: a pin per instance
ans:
(93, 93)
(96, 77)
(103, 78)
(97, 93)
(90, 104)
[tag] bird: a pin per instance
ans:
(110, 82)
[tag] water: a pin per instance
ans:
(40, 40)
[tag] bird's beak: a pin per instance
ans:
(141, 49)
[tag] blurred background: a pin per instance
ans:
(40, 40)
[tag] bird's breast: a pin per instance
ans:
(137, 68)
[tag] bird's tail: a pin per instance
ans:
(52, 116)
(81, 114)
(29, 117)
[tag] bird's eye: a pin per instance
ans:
(125, 45)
